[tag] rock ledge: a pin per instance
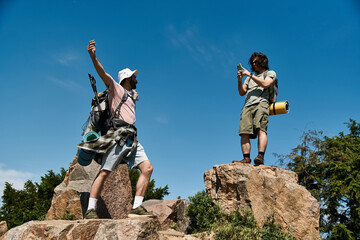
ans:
(133, 227)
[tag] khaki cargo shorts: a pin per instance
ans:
(254, 117)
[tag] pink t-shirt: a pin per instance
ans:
(127, 110)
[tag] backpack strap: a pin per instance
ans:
(275, 80)
(124, 98)
(265, 73)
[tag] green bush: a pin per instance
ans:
(67, 216)
(202, 212)
(240, 224)
(272, 231)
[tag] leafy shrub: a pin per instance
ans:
(237, 225)
(272, 231)
(202, 212)
(67, 216)
(240, 224)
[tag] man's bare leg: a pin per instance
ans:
(262, 143)
(95, 193)
(245, 143)
(245, 148)
(146, 170)
(98, 184)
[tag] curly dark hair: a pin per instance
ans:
(262, 61)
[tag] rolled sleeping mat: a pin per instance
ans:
(85, 157)
(279, 108)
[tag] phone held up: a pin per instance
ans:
(239, 67)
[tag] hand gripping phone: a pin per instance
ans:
(239, 67)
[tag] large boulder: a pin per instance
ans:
(132, 228)
(171, 234)
(171, 213)
(116, 197)
(72, 195)
(269, 192)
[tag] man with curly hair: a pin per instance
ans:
(255, 113)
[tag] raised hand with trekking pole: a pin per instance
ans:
(122, 102)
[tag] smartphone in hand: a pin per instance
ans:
(239, 67)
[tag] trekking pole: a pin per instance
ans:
(93, 85)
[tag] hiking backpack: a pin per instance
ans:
(100, 115)
(273, 89)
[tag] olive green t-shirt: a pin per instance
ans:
(255, 93)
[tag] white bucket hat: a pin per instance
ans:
(126, 73)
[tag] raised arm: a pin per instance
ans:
(99, 68)
(242, 88)
(264, 83)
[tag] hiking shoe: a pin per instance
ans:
(140, 210)
(91, 214)
(259, 160)
(245, 160)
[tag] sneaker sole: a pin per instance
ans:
(258, 162)
(236, 161)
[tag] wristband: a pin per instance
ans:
(250, 75)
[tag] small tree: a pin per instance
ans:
(329, 167)
(30, 203)
(307, 161)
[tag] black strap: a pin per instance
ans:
(265, 73)
(93, 85)
(124, 98)
(274, 109)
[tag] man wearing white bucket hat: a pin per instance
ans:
(118, 153)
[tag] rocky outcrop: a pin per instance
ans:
(175, 235)
(72, 195)
(132, 228)
(269, 192)
(171, 213)
(116, 197)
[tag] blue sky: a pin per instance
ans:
(186, 53)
